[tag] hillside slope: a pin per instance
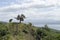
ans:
(21, 31)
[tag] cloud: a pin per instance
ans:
(31, 4)
(33, 9)
(17, 7)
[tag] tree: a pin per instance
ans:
(46, 27)
(21, 17)
(40, 34)
(10, 20)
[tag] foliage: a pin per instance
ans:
(27, 32)
(20, 17)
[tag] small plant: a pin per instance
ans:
(10, 20)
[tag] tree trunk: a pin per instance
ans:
(20, 21)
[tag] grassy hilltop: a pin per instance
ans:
(21, 31)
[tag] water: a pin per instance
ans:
(53, 26)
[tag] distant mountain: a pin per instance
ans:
(3, 22)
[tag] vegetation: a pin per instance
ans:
(22, 31)
(20, 17)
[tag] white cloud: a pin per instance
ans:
(45, 9)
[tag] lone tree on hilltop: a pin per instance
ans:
(21, 17)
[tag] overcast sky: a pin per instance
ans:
(36, 11)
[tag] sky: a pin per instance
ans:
(36, 11)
